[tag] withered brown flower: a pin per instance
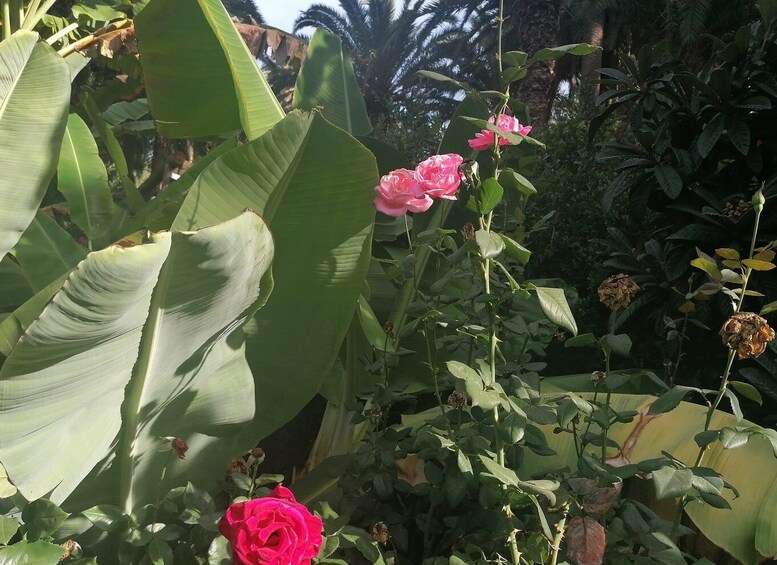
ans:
(237, 465)
(457, 399)
(746, 333)
(618, 291)
(381, 533)
(180, 447)
(72, 549)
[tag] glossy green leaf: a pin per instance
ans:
(669, 180)
(46, 251)
(738, 134)
(200, 77)
(710, 135)
(35, 553)
(8, 527)
(672, 483)
(34, 99)
(491, 195)
(327, 80)
(42, 518)
(554, 304)
(145, 340)
(313, 184)
(511, 179)
(516, 250)
(553, 53)
(748, 391)
(489, 243)
(83, 180)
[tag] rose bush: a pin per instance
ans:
(274, 530)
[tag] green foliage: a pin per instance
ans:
(38, 87)
(236, 95)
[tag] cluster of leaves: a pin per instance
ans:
(702, 146)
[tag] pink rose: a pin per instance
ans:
(485, 139)
(274, 530)
(400, 192)
(439, 175)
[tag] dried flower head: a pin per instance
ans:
(598, 376)
(381, 533)
(180, 447)
(735, 210)
(258, 453)
(388, 327)
(72, 549)
(457, 399)
(237, 465)
(375, 414)
(618, 291)
(468, 231)
(560, 335)
(746, 333)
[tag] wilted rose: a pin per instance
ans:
(274, 530)
(747, 333)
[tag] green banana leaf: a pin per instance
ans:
(34, 99)
(141, 344)
(749, 530)
(46, 251)
(200, 78)
(83, 180)
(15, 284)
(327, 80)
(312, 183)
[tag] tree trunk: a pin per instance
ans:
(534, 24)
(590, 63)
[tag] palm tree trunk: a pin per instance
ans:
(534, 25)
(590, 63)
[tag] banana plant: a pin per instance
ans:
(142, 344)
(34, 98)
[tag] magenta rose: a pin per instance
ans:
(439, 175)
(400, 192)
(486, 139)
(274, 530)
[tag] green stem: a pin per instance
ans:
(606, 428)
(726, 374)
(407, 292)
(7, 29)
(560, 530)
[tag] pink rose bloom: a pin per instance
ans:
(439, 175)
(274, 530)
(400, 192)
(485, 139)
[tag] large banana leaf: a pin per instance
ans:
(749, 530)
(34, 98)
(83, 180)
(200, 78)
(312, 183)
(46, 251)
(327, 80)
(140, 344)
